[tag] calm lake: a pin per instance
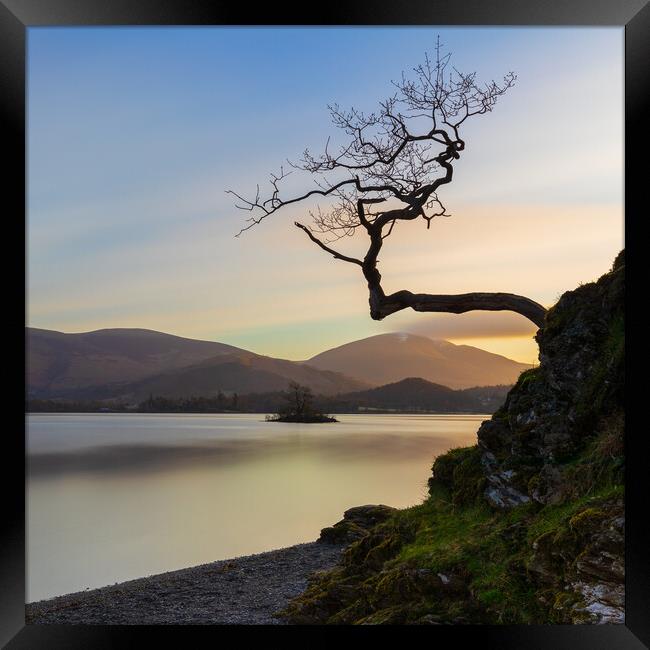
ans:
(112, 497)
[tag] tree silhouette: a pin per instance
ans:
(389, 171)
(299, 406)
(299, 400)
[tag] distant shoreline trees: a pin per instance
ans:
(217, 404)
(407, 396)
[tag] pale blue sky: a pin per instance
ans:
(135, 133)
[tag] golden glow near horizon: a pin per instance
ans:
(129, 226)
(519, 348)
(303, 302)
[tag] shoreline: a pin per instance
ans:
(244, 590)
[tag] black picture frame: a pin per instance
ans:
(634, 15)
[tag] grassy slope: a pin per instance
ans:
(487, 558)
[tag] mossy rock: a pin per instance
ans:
(534, 483)
(495, 435)
(369, 515)
(444, 465)
(460, 472)
(356, 523)
(343, 532)
(327, 593)
(551, 552)
(587, 521)
(388, 616)
(396, 586)
(379, 548)
(468, 483)
(528, 377)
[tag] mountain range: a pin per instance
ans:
(131, 364)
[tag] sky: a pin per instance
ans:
(134, 134)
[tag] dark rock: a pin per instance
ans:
(371, 551)
(555, 409)
(355, 524)
(583, 563)
(369, 515)
(343, 532)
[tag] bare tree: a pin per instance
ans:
(299, 399)
(388, 171)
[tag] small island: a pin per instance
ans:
(299, 407)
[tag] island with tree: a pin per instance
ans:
(299, 407)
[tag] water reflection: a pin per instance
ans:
(128, 459)
(114, 497)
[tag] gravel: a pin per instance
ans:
(247, 590)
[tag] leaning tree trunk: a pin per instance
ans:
(382, 305)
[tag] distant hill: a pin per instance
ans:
(410, 393)
(415, 394)
(240, 373)
(59, 363)
(389, 358)
(131, 364)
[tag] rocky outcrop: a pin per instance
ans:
(558, 434)
(527, 526)
(556, 409)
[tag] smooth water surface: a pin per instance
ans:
(112, 497)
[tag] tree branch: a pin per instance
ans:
(329, 250)
(382, 305)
